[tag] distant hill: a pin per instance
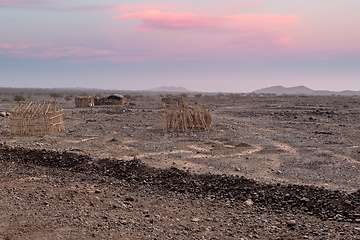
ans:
(302, 90)
(283, 90)
(169, 89)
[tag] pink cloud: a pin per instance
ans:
(239, 33)
(157, 20)
(22, 46)
(45, 50)
(268, 18)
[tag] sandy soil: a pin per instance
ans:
(272, 167)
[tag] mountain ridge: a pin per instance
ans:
(302, 90)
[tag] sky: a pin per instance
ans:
(202, 45)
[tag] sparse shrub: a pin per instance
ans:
(140, 97)
(129, 97)
(19, 98)
(68, 98)
(56, 95)
(198, 95)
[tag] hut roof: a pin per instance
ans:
(35, 108)
(115, 97)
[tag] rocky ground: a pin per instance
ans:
(272, 167)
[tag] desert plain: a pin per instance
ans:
(271, 167)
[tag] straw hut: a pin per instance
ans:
(181, 116)
(98, 100)
(84, 101)
(36, 118)
(114, 99)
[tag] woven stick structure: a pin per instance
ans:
(181, 116)
(84, 101)
(36, 118)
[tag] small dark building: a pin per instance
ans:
(115, 99)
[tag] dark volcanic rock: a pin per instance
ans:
(320, 202)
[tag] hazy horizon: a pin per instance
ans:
(271, 89)
(206, 46)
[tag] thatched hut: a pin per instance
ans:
(84, 101)
(181, 116)
(115, 99)
(36, 118)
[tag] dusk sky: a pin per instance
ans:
(202, 45)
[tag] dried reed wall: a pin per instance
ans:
(84, 101)
(36, 118)
(181, 116)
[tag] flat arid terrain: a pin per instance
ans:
(272, 167)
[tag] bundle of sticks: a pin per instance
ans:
(181, 116)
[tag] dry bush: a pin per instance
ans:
(19, 98)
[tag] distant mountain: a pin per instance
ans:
(302, 90)
(169, 89)
(283, 90)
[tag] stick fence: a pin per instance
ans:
(36, 118)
